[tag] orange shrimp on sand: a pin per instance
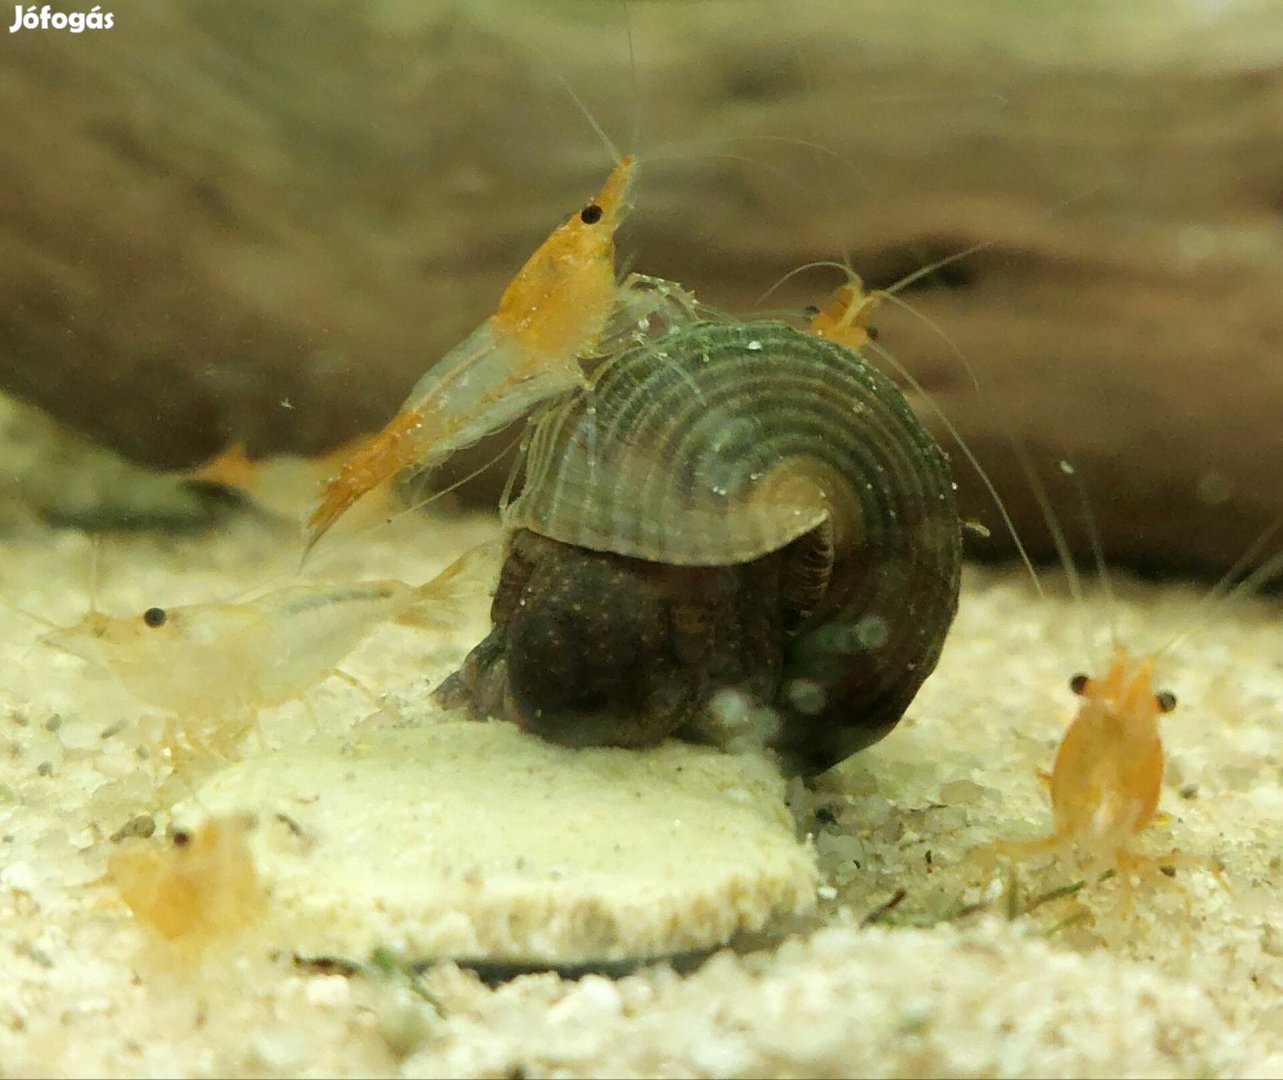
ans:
(1108, 770)
(1107, 774)
(552, 315)
(195, 886)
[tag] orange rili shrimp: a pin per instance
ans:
(281, 484)
(845, 316)
(197, 886)
(552, 314)
(1108, 769)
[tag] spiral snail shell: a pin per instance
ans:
(729, 505)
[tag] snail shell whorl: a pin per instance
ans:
(717, 444)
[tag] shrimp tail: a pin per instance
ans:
(483, 383)
(393, 448)
(441, 602)
(232, 468)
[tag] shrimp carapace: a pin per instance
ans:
(552, 314)
(195, 885)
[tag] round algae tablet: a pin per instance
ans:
(477, 842)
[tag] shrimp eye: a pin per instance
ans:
(590, 214)
(181, 838)
(872, 331)
(1078, 684)
(1165, 700)
(811, 311)
(154, 616)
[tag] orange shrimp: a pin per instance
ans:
(552, 314)
(1108, 769)
(280, 484)
(1107, 774)
(845, 316)
(198, 886)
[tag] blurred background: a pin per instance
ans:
(234, 224)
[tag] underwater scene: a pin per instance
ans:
(680, 538)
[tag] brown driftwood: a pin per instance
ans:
(231, 221)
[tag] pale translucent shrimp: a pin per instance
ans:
(551, 316)
(194, 886)
(212, 667)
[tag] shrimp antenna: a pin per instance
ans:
(890, 291)
(806, 144)
(592, 120)
(1097, 547)
(673, 151)
(934, 327)
(1007, 521)
(95, 559)
(48, 624)
(1057, 532)
(905, 374)
(490, 462)
(1220, 594)
(632, 68)
(825, 156)
(931, 268)
(845, 266)
(518, 464)
(670, 148)
(834, 264)
(52, 630)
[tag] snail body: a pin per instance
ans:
(727, 506)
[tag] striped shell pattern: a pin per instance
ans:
(717, 443)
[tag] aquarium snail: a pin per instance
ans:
(727, 505)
